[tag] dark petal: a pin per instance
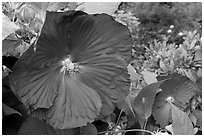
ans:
(101, 48)
(54, 43)
(75, 105)
(94, 35)
(90, 129)
(106, 74)
(107, 107)
(34, 126)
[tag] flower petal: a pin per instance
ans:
(53, 44)
(94, 35)
(107, 74)
(72, 99)
(75, 106)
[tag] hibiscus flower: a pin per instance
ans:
(77, 70)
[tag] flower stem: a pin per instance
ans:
(137, 130)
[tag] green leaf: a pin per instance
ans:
(107, 107)
(163, 66)
(40, 8)
(5, 71)
(9, 98)
(8, 27)
(198, 115)
(149, 77)
(99, 7)
(133, 74)
(171, 65)
(181, 53)
(178, 90)
(198, 55)
(22, 48)
(34, 126)
(54, 6)
(181, 122)
(72, 5)
(144, 101)
(192, 118)
(26, 14)
(10, 43)
(129, 100)
(169, 128)
(192, 44)
(162, 115)
(195, 130)
(127, 104)
(6, 110)
(199, 82)
(191, 74)
(90, 129)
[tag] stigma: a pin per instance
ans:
(69, 66)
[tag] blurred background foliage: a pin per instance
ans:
(156, 18)
(166, 35)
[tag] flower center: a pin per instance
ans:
(69, 66)
(170, 99)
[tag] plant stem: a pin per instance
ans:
(141, 130)
(145, 124)
(118, 119)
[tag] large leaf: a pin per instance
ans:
(169, 128)
(133, 74)
(99, 7)
(198, 55)
(143, 103)
(90, 129)
(8, 96)
(198, 115)
(8, 111)
(40, 8)
(127, 104)
(181, 122)
(178, 90)
(107, 107)
(129, 101)
(54, 6)
(199, 83)
(10, 43)
(80, 63)
(162, 114)
(8, 27)
(34, 126)
(9, 99)
(149, 77)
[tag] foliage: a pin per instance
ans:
(166, 58)
(156, 18)
(162, 94)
